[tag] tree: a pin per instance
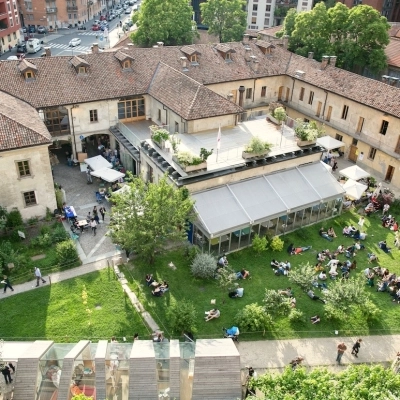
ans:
(303, 276)
(148, 216)
(182, 316)
(226, 278)
(252, 318)
(276, 303)
(203, 266)
(225, 18)
(260, 243)
(168, 21)
(288, 23)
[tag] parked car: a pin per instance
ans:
(125, 6)
(95, 27)
(81, 27)
(21, 49)
(41, 29)
(110, 18)
(128, 11)
(103, 27)
(75, 42)
(31, 29)
(96, 22)
(103, 18)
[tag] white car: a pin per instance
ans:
(75, 42)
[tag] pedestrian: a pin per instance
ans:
(6, 373)
(7, 283)
(356, 347)
(38, 275)
(341, 348)
(385, 209)
(96, 215)
(102, 212)
(136, 337)
(12, 367)
(88, 176)
(88, 217)
(93, 225)
(9, 47)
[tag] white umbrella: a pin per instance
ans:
(97, 162)
(329, 143)
(109, 175)
(354, 172)
(354, 189)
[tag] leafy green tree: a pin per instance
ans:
(203, 266)
(148, 216)
(226, 278)
(225, 18)
(288, 23)
(276, 303)
(276, 244)
(66, 253)
(252, 318)
(182, 316)
(303, 276)
(168, 21)
(259, 244)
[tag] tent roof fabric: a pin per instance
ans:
(107, 174)
(97, 162)
(329, 143)
(354, 172)
(240, 204)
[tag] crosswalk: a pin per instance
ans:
(91, 33)
(67, 47)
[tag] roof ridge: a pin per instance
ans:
(193, 100)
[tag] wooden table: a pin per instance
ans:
(83, 222)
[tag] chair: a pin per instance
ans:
(74, 236)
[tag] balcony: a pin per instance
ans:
(72, 8)
(52, 10)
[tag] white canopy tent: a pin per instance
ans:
(354, 172)
(354, 189)
(329, 143)
(327, 166)
(98, 162)
(107, 174)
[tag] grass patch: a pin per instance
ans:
(184, 286)
(57, 312)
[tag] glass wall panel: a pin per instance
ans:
(161, 351)
(187, 350)
(83, 375)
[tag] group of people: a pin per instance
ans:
(390, 223)
(92, 221)
(158, 288)
(223, 262)
(281, 268)
(294, 250)
(387, 281)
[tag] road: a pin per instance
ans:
(59, 42)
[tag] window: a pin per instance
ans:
(306, 120)
(23, 168)
(354, 142)
(263, 91)
(345, 111)
(311, 98)
(372, 152)
(28, 75)
(397, 149)
(339, 137)
(318, 113)
(384, 127)
(249, 92)
(93, 116)
(126, 64)
(328, 114)
(177, 127)
(301, 96)
(193, 58)
(255, 7)
(159, 115)
(133, 109)
(81, 70)
(268, 7)
(30, 199)
(9, 38)
(360, 124)
(253, 20)
(228, 56)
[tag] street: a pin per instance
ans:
(59, 41)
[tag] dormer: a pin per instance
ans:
(81, 66)
(191, 54)
(28, 70)
(225, 51)
(266, 48)
(125, 60)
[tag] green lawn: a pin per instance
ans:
(184, 286)
(57, 312)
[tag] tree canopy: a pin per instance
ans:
(356, 36)
(168, 21)
(225, 18)
(148, 216)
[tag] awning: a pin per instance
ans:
(354, 189)
(107, 174)
(329, 143)
(240, 204)
(97, 162)
(354, 172)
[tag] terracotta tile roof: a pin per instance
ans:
(270, 31)
(20, 124)
(189, 51)
(187, 97)
(392, 52)
(121, 56)
(223, 48)
(25, 65)
(78, 62)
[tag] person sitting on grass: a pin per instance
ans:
(312, 296)
(223, 262)
(369, 209)
(157, 292)
(242, 274)
(321, 256)
(290, 248)
(346, 231)
(359, 246)
(292, 302)
(214, 313)
(382, 286)
(274, 264)
(287, 292)
(149, 279)
(372, 257)
(298, 250)
(370, 279)
(318, 267)
(363, 235)
(331, 232)
(316, 319)
(383, 246)
(164, 287)
(356, 235)
(322, 276)
(324, 234)
(239, 292)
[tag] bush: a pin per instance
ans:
(203, 266)
(303, 276)
(45, 229)
(42, 240)
(15, 236)
(296, 316)
(59, 234)
(259, 244)
(252, 318)
(182, 316)
(14, 218)
(66, 252)
(276, 244)
(276, 303)
(191, 252)
(49, 214)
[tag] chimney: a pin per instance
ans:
(246, 38)
(385, 78)
(285, 41)
(324, 62)
(393, 81)
(95, 48)
(332, 61)
(184, 63)
(47, 51)
(241, 92)
(311, 55)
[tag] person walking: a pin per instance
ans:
(96, 215)
(88, 176)
(102, 212)
(93, 225)
(341, 348)
(7, 283)
(356, 347)
(38, 276)
(6, 373)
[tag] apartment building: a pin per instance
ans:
(388, 8)
(260, 14)
(9, 24)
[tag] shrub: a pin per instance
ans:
(191, 252)
(203, 266)
(59, 197)
(59, 234)
(14, 218)
(66, 252)
(296, 315)
(3, 217)
(42, 240)
(370, 311)
(182, 316)
(303, 276)
(15, 235)
(280, 114)
(45, 229)
(259, 244)
(252, 318)
(276, 303)
(276, 244)
(33, 220)
(49, 214)
(256, 145)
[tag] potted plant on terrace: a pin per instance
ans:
(271, 115)
(190, 162)
(160, 136)
(307, 132)
(280, 115)
(256, 148)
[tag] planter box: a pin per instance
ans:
(246, 155)
(160, 145)
(191, 168)
(301, 143)
(272, 119)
